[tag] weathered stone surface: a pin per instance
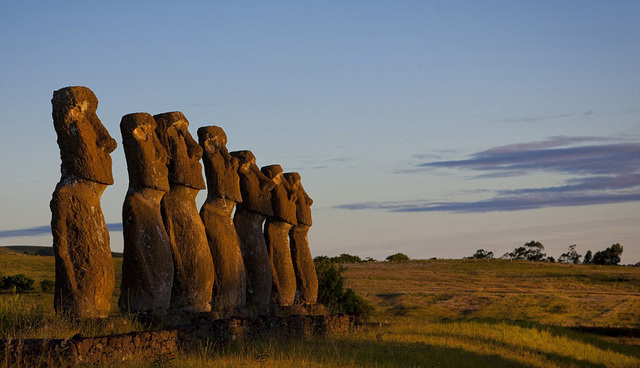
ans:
(305, 270)
(84, 269)
(147, 268)
(193, 266)
(223, 184)
(248, 220)
(276, 232)
(256, 259)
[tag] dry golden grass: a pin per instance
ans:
(437, 313)
(547, 293)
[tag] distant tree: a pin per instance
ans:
(588, 257)
(481, 254)
(398, 257)
(531, 251)
(346, 258)
(571, 256)
(550, 259)
(47, 286)
(609, 256)
(21, 283)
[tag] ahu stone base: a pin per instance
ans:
(164, 343)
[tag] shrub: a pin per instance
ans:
(588, 257)
(47, 286)
(331, 290)
(398, 257)
(21, 283)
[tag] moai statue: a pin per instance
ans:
(248, 219)
(147, 268)
(193, 266)
(306, 277)
(276, 232)
(223, 183)
(84, 268)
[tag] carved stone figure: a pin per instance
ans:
(223, 183)
(306, 277)
(248, 219)
(84, 268)
(193, 266)
(276, 232)
(147, 268)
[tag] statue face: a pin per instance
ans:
(254, 185)
(213, 140)
(146, 156)
(283, 196)
(303, 202)
(220, 168)
(85, 144)
(183, 151)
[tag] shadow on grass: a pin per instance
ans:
(367, 353)
(568, 332)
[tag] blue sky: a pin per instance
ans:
(431, 128)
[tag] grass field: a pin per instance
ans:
(435, 313)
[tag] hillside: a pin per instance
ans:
(5, 250)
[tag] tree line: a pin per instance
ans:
(534, 251)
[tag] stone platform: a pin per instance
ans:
(163, 343)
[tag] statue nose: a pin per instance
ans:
(108, 144)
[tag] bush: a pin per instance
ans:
(47, 286)
(398, 257)
(21, 283)
(331, 290)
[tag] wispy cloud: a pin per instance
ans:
(532, 119)
(498, 203)
(44, 230)
(610, 159)
(602, 173)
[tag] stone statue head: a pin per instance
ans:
(220, 168)
(254, 185)
(303, 201)
(84, 142)
(283, 196)
(183, 151)
(146, 156)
